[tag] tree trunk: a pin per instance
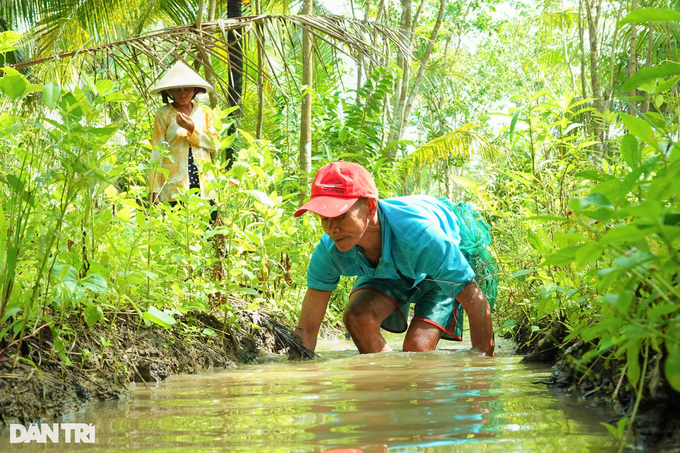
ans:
(199, 14)
(672, 57)
(384, 18)
(199, 22)
(401, 85)
(565, 49)
(447, 180)
(205, 56)
(423, 65)
(609, 92)
(584, 93)
(648, 63)
(593, 19)
(632, 62)
(360, 57)
(235, 73)
(306, 109)
(259, 37)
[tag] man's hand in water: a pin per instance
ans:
(313, 310)
(294, 354)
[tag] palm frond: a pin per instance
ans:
(462, 143)
(550, 22)
(160, 49)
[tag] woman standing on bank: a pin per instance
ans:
(186, 126)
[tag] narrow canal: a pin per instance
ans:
(449, 400)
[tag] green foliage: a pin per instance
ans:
(597, 248)
(457, 146)
(78, 237)
(652, 73)
(15, 86)
(644, 15)
(354, 126)
(156, 316)
(8, 41)
(617, 430)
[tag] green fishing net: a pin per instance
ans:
(474, 243)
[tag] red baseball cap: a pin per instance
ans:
(336, 187)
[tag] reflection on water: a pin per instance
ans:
(449, 400)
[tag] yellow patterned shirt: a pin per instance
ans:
(167, 134)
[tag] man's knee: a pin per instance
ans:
(420, 344)
(367, 310)
(356, 318)
(421, 337)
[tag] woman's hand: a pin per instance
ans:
(185, 121)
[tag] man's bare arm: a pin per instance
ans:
(479, 315)
(314, 307)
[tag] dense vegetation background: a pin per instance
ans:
(558, 120)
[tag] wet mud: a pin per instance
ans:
(99, 363)
(657, 422)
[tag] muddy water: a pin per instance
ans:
(449, 400)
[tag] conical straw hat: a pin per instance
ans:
(180, 75)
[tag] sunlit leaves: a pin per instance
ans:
(71, 106)
(652, 73)
(95, 283)
(624, 233)
(51, 94)
(159, 317)
(461, 143)
(13, 85)
(124, 214)
(596, 199)
(640, 129)
(630, 151)
(586, 255)
(562, 257)
(104, 87)
(262, 197)
(8, 40)
(513, 122)
(644, 15)
(110, 191)
(522, 178)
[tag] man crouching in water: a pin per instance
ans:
(403, 250)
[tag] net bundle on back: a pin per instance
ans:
(474, 243)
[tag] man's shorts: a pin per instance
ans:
(431, 304)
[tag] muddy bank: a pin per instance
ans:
(657, 421)
(99, 363)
